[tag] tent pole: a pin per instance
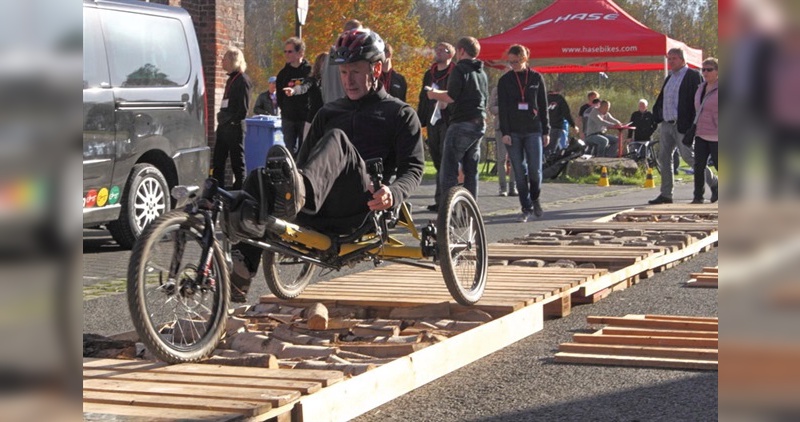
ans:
(666, 68)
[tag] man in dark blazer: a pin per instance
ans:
(674, 110)
(267, 101)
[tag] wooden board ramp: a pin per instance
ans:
(519, 296)
(154, 390)
(709, 277)
(657, 341)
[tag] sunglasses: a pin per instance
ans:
(288, 51)
(708, 69)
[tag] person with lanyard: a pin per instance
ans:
(233, 110)
(393, 82)
(436, 78)
(524, 126)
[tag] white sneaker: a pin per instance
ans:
(524, 217)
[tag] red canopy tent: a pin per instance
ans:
(587, 36)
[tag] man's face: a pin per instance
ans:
(442, 54)
(357, 78)
(272, 87)
(642, 107)
(290, 55)
(590, 99)
(675, 62)
(604, 108)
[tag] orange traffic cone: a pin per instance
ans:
(603, 182)
(648, 181)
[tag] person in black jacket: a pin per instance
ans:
(467, 96)
(393, 82)
(674, 110)
(330, 188)
(232, 112)
(311, 87)
(293, 109)
(267, 101)
(436, 78)
(558, 114)
(525, 127)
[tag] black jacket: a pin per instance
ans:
(691, 80)
(645, 125)
(237, 92)
(395, 84)
(264, 105)
(426, 106)
(378, 125)
(469, 89)
(312, 87)
(514, 120)
(294, 108)
(558, 110)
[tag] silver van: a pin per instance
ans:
(144, 113)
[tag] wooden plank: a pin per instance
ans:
(628, 331)
(651, 351)
(304, 387)
(636, 361)
(647, 340)
(230, 405)
(274, 397)
(645, 323)
(678, 318)
(150, 413)
(396, 378)
(325, 378)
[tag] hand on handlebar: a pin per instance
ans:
(381, 199)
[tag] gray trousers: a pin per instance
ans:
(671, 139)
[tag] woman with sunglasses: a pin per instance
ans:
(706, 139)
(524, 126)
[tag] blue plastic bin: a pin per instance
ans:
(262, 132)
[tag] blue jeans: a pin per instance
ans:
(526, 160)
(461, 145)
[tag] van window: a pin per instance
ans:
(94, 61)
(145, 50)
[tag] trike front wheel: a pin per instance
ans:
(286, 276)
(177, 319)
(461, 240)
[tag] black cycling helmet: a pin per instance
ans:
(355, 45)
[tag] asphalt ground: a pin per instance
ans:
(520, 382)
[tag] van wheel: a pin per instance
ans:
(146, 196)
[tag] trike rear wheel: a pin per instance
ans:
(286, 276)
(461, 240)
(177, 319)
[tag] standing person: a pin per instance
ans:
(436, 78)
(331, 83)
(501, 152)
(525, 126)
(560, 117)
(267, 101)
(329, 188)
(591, 96)
(674, 111)
(706, 140)
(467, 94)
(293, 109)
(311, 87)
(394, 83)
(235, 104)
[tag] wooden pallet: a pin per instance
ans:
(155, 390)
(709, 277)
(602, 256)
(658, 341)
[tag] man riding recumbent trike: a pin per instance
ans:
(328, 210)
